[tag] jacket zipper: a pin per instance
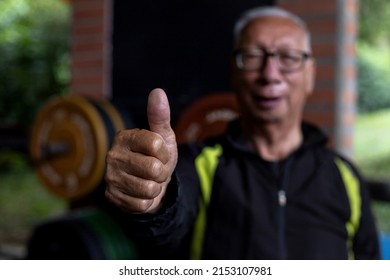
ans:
(282, 201)
(284, 178)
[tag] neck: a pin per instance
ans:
(274, 141)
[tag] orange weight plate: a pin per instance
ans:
(68, 145)
(206, 117)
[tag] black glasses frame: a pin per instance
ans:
(263, 54)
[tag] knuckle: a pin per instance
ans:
(108, 178)
(128, 204)
(109, 195)
(125, 137)
(156, 168)
(120, 136)
(109, 156)
(156, 143)
(143, 205)
(151, 189)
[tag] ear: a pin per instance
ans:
(310, 76)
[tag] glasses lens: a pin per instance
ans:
(250, 60)
(287, 60)
(290, 60)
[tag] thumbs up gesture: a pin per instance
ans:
(140, 162)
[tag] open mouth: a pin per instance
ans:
(267, 102)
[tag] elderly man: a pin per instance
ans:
(269, 188)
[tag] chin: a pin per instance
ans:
(266, 119)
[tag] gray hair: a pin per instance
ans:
(267, 11)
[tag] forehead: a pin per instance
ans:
(273, 32)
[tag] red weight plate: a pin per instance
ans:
(206, 117)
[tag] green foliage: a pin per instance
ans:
(11, 160)
(374, 21)
(372, 156)
(373, 86)
(371, 145)
(34, 62)
(381, 212)
(373, 63)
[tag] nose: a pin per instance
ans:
(270, 69)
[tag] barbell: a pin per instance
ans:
(71, 135)
(69, 140)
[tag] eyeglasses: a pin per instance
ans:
(288, 60)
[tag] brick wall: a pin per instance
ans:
(333, 26)
(90, 48)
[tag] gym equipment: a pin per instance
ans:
(69, 141)
(71, 136)
(206, 117)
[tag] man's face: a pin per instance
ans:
(270, 94)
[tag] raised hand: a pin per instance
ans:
(140, 162)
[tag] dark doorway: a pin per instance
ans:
(180, 46)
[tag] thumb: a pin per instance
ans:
(159, 114)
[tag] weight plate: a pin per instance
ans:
(206, 117)
(113, 114)
(68, 145)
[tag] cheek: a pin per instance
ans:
(298, 92)
(243, 84)
(310, 84)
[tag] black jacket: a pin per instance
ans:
(294, 209)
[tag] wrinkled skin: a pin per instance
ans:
(140, 162)
(272, 100)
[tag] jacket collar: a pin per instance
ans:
(312, 137)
